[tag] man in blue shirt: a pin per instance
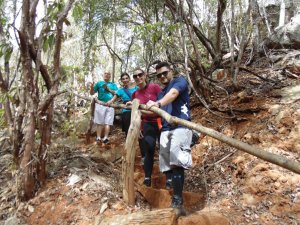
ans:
(104, 115)
(175, 140)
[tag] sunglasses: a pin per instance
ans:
(165, 73)
(137, 75)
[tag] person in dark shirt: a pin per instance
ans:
(175, 141)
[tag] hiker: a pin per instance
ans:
(104, 115)
(125, 94)
(175, 140)
(149, 126)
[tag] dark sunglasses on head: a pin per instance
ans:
(137, 75)
(165, 73)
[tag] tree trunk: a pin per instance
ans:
(221, 9)
(17, 129)
(265, 19)
(153, 217)
(192, 76)
(45, 130)
(88, 133)
(27, 164)
(232, 39)
(113, 45)
(255, 18)
(282, 14)
(32, 171)
(243, 42)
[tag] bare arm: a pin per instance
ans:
(112, 100)
(145, 112)
(168, 98)
(99, 102)
(108, 89)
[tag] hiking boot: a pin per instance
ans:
(169, 184)
(147, 181)
(177, 205)
(105, 141)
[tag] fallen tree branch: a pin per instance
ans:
(255, 74)
(258, 152)
(290, 74)
(219, 161)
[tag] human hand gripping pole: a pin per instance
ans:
(151, 103)
(99, 102)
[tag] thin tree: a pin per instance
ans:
(38, 110)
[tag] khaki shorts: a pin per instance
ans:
(104, 115)
(175, 149)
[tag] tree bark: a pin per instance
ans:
(153, 217)
(232, 38)
(27, 165)
(38, 114)
(260, 153)
(88, 133)
(128, 163)
(282, 14)
(243, 43)
(255, 18)
(221, 9)
(45, 130)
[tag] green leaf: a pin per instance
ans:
(8, 53)
(51, 40)
(105, 21)
(77, 12)
(6, 50)
(45, 44)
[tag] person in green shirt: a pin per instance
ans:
(103, 115)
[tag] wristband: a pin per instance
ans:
(159, 104)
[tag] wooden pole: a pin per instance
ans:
(258, 152)
(91, 123)
(128, 163)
